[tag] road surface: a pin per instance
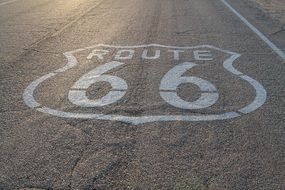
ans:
(140, 94)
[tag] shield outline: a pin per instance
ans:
(259, 100)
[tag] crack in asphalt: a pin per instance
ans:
(11, 111)
(36, 188)
(40, 51)
(107, 170)
(78, 160)
(278, 31)
(69, 24)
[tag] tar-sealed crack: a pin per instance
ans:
(77, 161)
(107, 170)
(36, 188)
(279, 31)
(40, 51)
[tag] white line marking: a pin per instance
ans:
(79, 97)
(28, 94)
(145, 54)
(8, 2)
(260, 98)
(256, 31)
(174, 77)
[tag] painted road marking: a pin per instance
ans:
(8, 2)
(274, 47)
(77, 94)
(174, 78)
(128, 54)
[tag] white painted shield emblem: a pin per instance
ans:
(196, 83)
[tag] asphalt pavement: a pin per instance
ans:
(141, 94)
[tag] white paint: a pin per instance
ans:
(8, 2)
(202, 55)
(205, 100)
(146, 56)
(120, 54)
(99, 53)
(198, 55)
(260, 97)
(173, 78)
(228, 65)
(176, 53)
(78, 93)
(29, 91)
(139, 120)
(72, 62)
(79, 98)
(256, 31)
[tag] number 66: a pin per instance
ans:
(171, 80)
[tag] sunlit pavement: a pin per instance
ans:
(140, 94)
